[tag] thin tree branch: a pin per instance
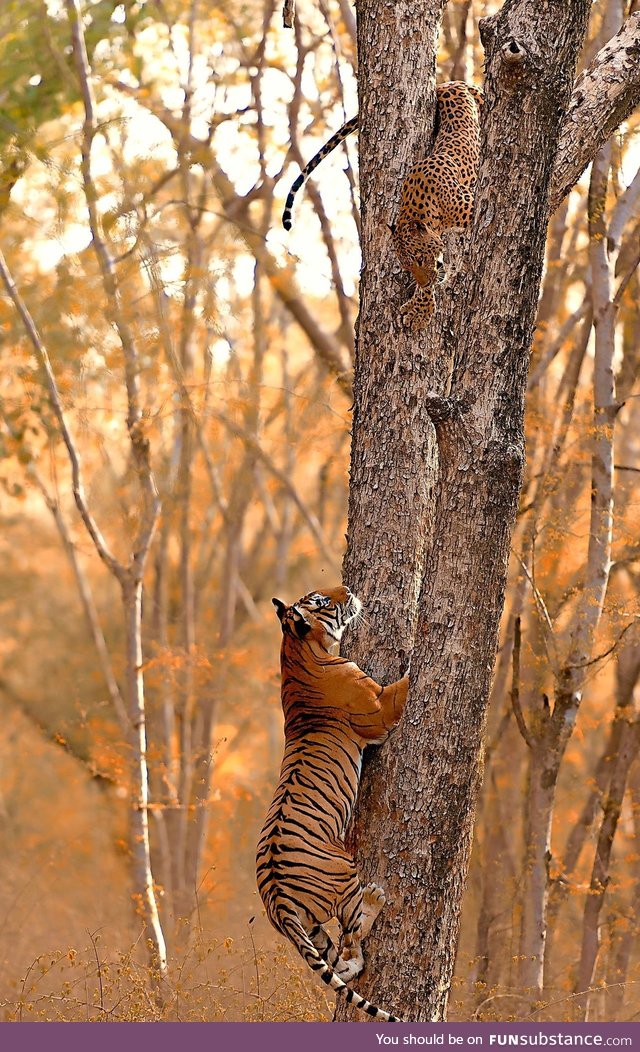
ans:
(515, 686)
(135, 422)
(283, 479)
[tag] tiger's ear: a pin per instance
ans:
(300, 625)
(280, 607)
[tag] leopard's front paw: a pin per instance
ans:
(415, 318)
(417, 313)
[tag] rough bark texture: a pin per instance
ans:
(419, 794)
(393, 437)
(394, 450)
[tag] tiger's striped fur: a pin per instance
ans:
(332, 710)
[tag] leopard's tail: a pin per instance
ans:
(330, 145)
(290, 926)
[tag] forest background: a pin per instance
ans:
(164, 338)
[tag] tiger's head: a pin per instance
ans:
(319, 616)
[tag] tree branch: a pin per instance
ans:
(84, 589)
(252, 443)
(515, 686)
(135, 422)
(325, 345)
(604, 95)
(54, 737)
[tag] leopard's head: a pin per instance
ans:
(419, 250)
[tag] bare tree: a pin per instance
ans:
(129, 577)
(437, 461)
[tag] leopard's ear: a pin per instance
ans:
(392, 227)
(280, 607)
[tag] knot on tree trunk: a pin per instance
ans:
(442, 409)
(505, 460)
(513, 52)
(487, 28)
(512, 49)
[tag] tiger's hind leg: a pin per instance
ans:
(349, 914)
(356, 915)
(323, 945)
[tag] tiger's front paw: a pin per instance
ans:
(373, 899)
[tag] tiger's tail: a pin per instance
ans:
(292, 928)
(330, 145)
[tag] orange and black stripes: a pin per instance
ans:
(332, 710)
(298, 936)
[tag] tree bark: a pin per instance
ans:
(394, 452)
(419, 794)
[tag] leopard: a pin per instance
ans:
(437, 193)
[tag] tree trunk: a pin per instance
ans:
(570, 678)
(144, 893)
(624, 749)
(600, 874)
(419, 794)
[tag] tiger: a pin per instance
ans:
(332, 710)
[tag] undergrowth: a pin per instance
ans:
(212, 980)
